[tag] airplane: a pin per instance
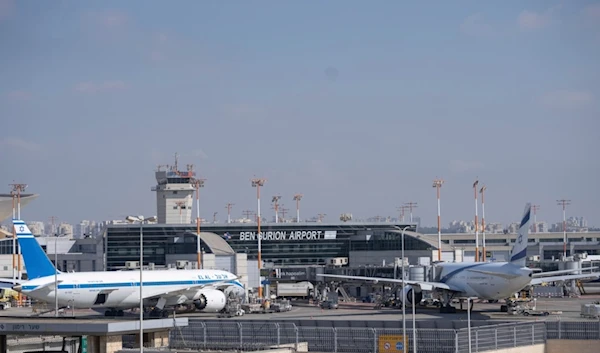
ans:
(207, 290)
(490, 281)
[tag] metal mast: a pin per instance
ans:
(257, 183)
(476, 223)
(437, 183)
(564, 204)
(297, 198)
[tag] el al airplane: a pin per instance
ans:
(482, 280)
(114, 291)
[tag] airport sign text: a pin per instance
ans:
(289, 235)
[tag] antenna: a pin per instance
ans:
(411, 205)
(215, 217)
(564, 203)
(283, 211)
(437, 183)
(228, 207)
(247, 213)
(401, 209)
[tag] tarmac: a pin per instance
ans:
(559, 308)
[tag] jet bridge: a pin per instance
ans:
(95, 335)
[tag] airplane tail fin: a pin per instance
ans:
(37, 262)
(519, 250)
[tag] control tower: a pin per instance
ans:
(174, 193)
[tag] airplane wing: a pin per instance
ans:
(427, 286)
(537, 281)
(543, 274)
(214, 285)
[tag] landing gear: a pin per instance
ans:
(113, 312)
(445, 304)
(158, 313)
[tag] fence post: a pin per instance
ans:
(476, 340)
(532, 334)
(204, 333)
(278, 333)
(415, 342)
(456, 341)
(241, 336)
(559, 329)
(374, 340)
(496, 338)
(297, 335)
(335, 340)
(514, 336)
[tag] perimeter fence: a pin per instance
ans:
(249, 336)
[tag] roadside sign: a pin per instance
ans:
(392, 343)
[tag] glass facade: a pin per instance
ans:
(282, 244)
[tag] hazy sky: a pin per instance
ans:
(358, 105)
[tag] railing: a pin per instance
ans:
(248, 336)
(573, 330)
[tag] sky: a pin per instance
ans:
(357, 105)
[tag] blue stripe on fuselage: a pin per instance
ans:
(447, 277)
(134, 284)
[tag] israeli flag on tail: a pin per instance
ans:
(36, 261)
(519, 250)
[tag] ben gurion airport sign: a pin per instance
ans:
(287, 235)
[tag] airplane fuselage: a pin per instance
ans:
(120, 289)
(484, 280)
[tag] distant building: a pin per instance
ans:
(66, 230)
(37, 228)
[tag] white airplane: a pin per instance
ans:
(114, 291)
(482, 280)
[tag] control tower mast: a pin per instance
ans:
(174, 193)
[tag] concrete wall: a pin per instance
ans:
(538, 348)
(579, 346)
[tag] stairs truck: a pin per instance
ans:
(7, 296)
(300, 290)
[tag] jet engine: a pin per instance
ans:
(211, 300)
(408, 295)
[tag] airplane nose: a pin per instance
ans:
(17, 288)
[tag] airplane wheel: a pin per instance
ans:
(504, 308)
(165, 314)
(120, 313)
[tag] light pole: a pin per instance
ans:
(437, 183)
(403, 287)
(55, 276)
(257, 183)
(141, 219)
(414, 305)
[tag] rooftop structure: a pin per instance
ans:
(174, 191)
